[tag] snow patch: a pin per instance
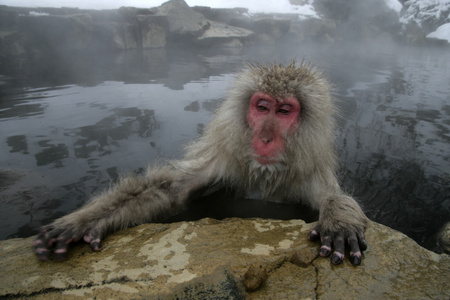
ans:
(394, 5)
(35, 14)
(441, 33)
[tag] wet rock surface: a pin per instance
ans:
(211, 258)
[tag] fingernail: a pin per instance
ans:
(337, 258)
(356, 260)
(325, 251)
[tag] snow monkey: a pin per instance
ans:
(272, 135)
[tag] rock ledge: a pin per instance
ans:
(214, 259)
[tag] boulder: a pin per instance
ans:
(115, 36)
(57, 31)
(153, 31)
(66, 32)
(188, 25)
(145, 31)
(230, 259)
(129, 28)
(222, 34)
(183, 21)
(263, 28)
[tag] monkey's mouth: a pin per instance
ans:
(264, 160)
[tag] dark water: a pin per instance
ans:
(69, 125)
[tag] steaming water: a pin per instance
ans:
(70, 125)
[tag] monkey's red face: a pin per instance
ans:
(272, 120)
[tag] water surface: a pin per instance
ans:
(69, 126)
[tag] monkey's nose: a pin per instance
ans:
(266, 140)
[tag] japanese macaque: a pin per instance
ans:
(273, 135)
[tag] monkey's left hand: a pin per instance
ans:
(355, 240)
(341, 222)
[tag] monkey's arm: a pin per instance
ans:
(341, 222)
(134, 200)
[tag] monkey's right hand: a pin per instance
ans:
(56, 237)
(133, 201)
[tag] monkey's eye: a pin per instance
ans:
(284, 110)
(263, 105)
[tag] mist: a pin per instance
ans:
(89, 92)
(254, 6)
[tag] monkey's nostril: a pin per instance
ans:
(266, 140)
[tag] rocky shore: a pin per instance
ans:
(229, 259)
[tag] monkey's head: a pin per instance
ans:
(286, 111)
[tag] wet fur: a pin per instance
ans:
(222, 156)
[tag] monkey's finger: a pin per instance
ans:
(325, 250)
(94, 240)
(96, 245)
(61, 249)
(355, 252)
(362, 241)
(41, 249)
(62, 244)
(43, 243)
(339, 249)
(314, 233)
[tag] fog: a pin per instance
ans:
(72, 122)
(253, 5)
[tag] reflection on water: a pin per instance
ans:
(70, 126)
